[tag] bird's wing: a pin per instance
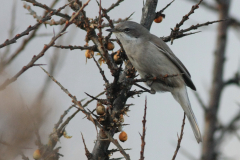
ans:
(163, 47)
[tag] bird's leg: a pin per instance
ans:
(152, 91)
(168, 76)
(149, 82)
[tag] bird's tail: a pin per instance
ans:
(181, 96)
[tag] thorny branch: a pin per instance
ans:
(38, 18)
(87, 153)
(49, 9)
(143, 132)
(177, 27)
(45, 48)
(101, 71)
(162, 10)
(179, 138)
(114, 5)
(93, 48)
(89, 117)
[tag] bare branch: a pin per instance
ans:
(93, 99)
(230, 127)
(38, 18)
(235, 80)
(232, 21)
(101, 71)
(61, 117)
(93, 48)
(179, 138)
(185, 18)
(49, 9)
(103, 101)
(143, 132)
(200, 25)
(45, 48)
(200, 101)
(162, 10)
(26, 32)
(177, 36)
(114, 5)
(87, 153)
(116, 21)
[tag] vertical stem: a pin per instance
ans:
(100, 150)
(209, 143)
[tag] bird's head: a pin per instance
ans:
(129, 31)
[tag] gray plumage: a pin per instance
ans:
(152, 57)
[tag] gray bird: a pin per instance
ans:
(152, 57)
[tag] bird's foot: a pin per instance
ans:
(152, 91)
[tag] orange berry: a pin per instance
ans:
(158, 19)
(123, 136)
(116, 58)
(88, 54)
(110, 46)
(37, 154)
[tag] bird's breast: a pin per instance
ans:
(148, 60)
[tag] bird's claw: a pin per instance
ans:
(152, 91)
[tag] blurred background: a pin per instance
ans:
(34, 100)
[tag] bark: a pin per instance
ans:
(209, 151)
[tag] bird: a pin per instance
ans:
(152, 57)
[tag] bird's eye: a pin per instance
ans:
(126, 30)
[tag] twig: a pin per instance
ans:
(30, 28)
(178, 35)
(87, 153)
(228, 128)
(116, 21)
(52, 22)
(74, 99)
(101, 71)
(199, 25)
(26, 32)
(93, 99)
(235, 80)
(24, 44)
(143, 132)
(45, 48)
(116, 150)
(61, 117)
(114, 5)
(145, 89)
(24, 157)
(179, 138)
(161, 11)
(61, 128)
(12, 28)
(49, 9)
(207, 5)
(200, 101)
(185, 18)
(232, 21)
(103, 101)
(135, 92)
(94, 48)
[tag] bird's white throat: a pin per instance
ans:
(126, 39)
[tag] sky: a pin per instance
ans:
(164, 114)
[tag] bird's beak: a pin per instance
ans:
(111, 30)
